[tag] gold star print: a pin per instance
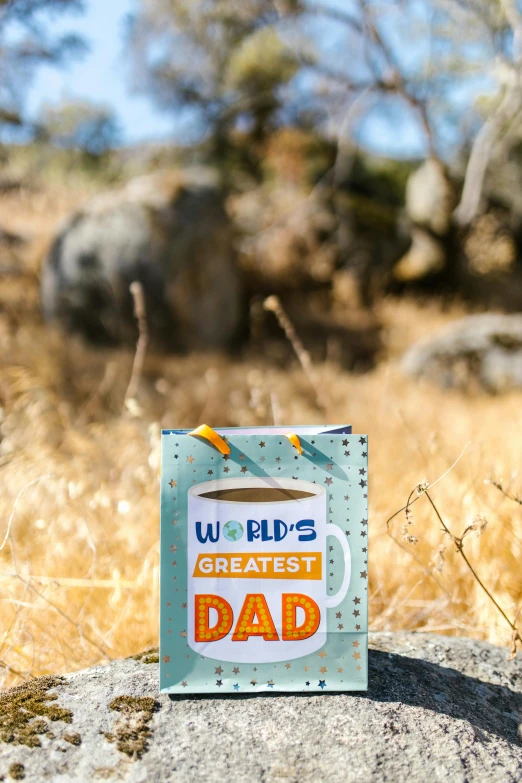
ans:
(262, 444)
(190, 459)
(219, 670)
(253, 682)
(322, 654)
(183, 634)
(173, 548)
(329, 466)
(235, 670)
(356, 655)
(323, 669)
(288, 666)
(244, 469)
(358, 668)
(173, 483)
(355, 644)
(307, 668)
(340, 671)
(166, 659)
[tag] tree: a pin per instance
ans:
(92, 129)
(26, 41)
(224, 62)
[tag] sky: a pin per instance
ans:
(102, 76)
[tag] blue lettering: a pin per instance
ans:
(209, 535)
(253, 529)
(280, 529)
(264, 531)
(308, 526)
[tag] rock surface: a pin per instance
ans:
(482, 351)
(437, 709)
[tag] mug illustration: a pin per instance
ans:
(257, 554)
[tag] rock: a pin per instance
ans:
(168, 231)
(437, 708)
(482, 351)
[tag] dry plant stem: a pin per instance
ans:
(500, 488)
(460, 548)
(140, 313)
(273, 304)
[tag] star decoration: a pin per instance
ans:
(329, 466)
(322, 684)
(331, 562)
(219, 670)
(357, 627)
(173, 548)
(174, 563)
(219, 683)
(307, 683)
(355, 644)
(361, 471)
(347, 497)
(288, 666)
(364, 521)
(262, 444)
(169, 604)
(278, 459)
(328, 481)
(356, 655)
(183, 605)
(356, 600)
(226, 470)
(340, 671)
(253, 682)
(322, 654)
(166, 659)
(323, 669)
(363, 483)
(210, 472)
(340, 626)
(363, 574)
(365, 454)
(358, 668)
(190, 459)
(173, 483)
(363, 533)
(262, 459)
(345, 442)
(346, 453)
(356, 613)
(184, 684)
(235, 670)
(183, 634)
(338, 615)
(331, 548)
(362, 440)
(236, 686)
(244, 469)
(241, 457)
(226, 456)
(270, 683)
(307, 668)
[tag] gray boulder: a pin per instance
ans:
(437, 709)
(168, 231)
(479, 351)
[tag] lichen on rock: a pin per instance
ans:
(25, 710)
(131, 730)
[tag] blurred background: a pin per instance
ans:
(321, 204)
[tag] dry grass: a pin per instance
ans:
(79, 569)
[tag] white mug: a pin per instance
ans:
(257, 555)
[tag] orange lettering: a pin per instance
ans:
(312, 616)
(202, 605)
(255, 620)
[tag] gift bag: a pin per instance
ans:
(264, 560)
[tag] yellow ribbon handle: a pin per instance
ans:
(204, 431)
(294, 440)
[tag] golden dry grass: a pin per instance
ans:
(79, 570)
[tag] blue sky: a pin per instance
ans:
(102, 76)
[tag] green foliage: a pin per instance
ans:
(82, 126)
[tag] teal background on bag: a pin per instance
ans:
(339, 462)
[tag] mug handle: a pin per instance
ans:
(335, 600)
